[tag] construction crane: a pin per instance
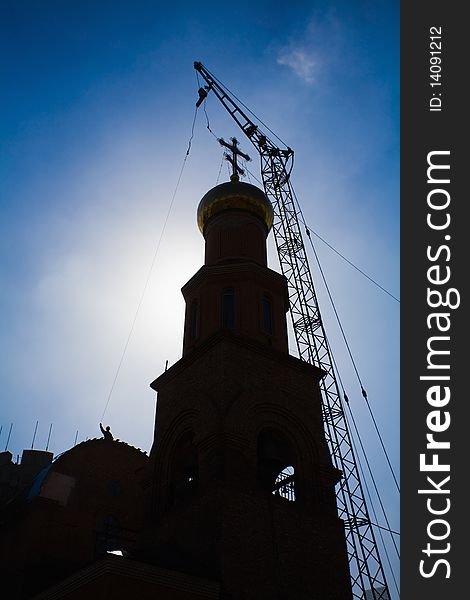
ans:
(365, 566)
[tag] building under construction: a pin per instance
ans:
(251, 488)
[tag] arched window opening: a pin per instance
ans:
(194, 320)
(284, 484)
(276, 460)
(185, 470)
(228, 308)
(267, 322)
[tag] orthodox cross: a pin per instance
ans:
(232, 159)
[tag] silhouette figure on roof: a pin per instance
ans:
(106, 433)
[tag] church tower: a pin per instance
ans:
(241, 483)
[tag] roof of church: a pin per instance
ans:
(234, 194)
(81, 458)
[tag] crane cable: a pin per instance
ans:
(371, 279)
(363, 391)
(353, 265)
(380, 527)
(152, 265)
(388, 528)
(346, 400)
(364, 394)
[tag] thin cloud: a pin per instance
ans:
(303, 63)
(308, 53)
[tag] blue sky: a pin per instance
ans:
(97, 105)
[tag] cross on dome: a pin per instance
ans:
(232, 159)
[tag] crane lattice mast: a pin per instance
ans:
(276, 163)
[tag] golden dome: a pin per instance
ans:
(238, 195)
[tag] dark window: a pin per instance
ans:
(267, 315)
(108, 535)
(114, 488)
(193, 320)
(185, 471)
(228, 308)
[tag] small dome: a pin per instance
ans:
(238, 195)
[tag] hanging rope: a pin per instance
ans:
(220, 169)
(191, 137)
(147, 281)
(245, 168)
(208, 125)
(205, 111)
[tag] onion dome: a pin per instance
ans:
(236, 195)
